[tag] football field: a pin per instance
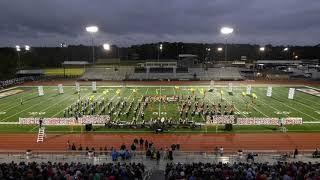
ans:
(24, 101)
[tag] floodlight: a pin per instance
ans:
(262, 49)
(286, 49)
(160, 47)
(208, 49)
(27, 47)
(220, 49)
(92, 29)
(296, 57)
(18, 48)
(226, 30)
(106, 46)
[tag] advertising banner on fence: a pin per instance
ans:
(268, 121)
(67, 121)
(212, 120)
(229, 119)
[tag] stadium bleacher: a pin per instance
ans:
(248, 171)
(68, 171)
(129, 73)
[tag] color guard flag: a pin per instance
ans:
(201, 91)
(118, 92)
(254, 95)
(269, 91)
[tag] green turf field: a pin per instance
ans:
(53, 105)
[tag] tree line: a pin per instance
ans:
(40, 57)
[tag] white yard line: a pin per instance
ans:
(297, 97)
(14, 106)
(17, 99)
(298, 110)
(271, 106)
(28, 108)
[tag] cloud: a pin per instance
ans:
(47, 23)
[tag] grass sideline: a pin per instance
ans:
(306, 128)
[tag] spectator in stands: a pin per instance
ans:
(158, 157)
(114, 155)
(316, 153)
(250, 157)
(146, 144)
(133, 148)
(71, 171)
(170, 156)
(80, 148)
(221, 151)
(216, 151)
(295, 153)
(141, 142)
(260, 171)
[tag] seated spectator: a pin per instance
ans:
(263, 171)
(316, 153)
(70, 171)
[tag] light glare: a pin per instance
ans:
(106, 46)
(92, 29)
(27, 47)
(226, 30)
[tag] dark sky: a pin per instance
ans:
(123, 22)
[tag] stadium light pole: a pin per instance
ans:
(261, 50)
(159, 51)
(92, 30)
(18, 51)
(226, 31)
(207, 55)
(286, 50)
(106, 46)
(219, 49)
